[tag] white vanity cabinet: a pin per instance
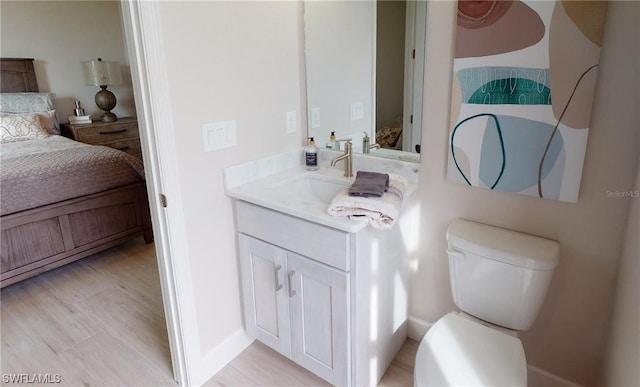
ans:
(296, 306)
(266, 302)
(332, 301)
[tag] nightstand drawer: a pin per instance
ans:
(122, 134)
(97, 134)
(130, 146)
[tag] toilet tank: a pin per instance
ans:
(499, 275)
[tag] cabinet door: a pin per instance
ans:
(319, 318)
(266, 304)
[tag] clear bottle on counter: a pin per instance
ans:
(311, 155)
(331, 144)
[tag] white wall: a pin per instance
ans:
(569, 336)
(226, 61)
(61, 34)
(623, 349)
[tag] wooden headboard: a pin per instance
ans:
(17, 75)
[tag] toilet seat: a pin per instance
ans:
(457, 351)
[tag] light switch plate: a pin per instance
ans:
(357, 111)
(219, 135)
(292, 121)
(315, 118)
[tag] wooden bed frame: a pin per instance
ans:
(37, 240)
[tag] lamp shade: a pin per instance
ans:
(102, 73)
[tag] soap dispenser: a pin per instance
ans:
(311, 155)
(365, 143)
(331, 144)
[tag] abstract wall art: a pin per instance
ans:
(523, 86)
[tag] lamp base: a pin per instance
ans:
(106, 101)
(108, 117)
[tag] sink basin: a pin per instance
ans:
(311, 186)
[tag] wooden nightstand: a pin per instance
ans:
(121, 134)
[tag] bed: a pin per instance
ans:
(61, 200)
(390, 136)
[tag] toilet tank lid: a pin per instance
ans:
(508, 246)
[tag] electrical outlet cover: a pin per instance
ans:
(219, 135)
(315, 118)
(292, 121)
(357, 111)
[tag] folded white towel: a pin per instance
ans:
(381, 213)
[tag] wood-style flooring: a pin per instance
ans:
(259, 365)
(100, 322)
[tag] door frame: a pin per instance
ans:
(143, 41)
(415, 35)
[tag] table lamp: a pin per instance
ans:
(103, 73)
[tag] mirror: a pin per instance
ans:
(363, 75)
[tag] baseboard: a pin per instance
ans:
(537, 377)
(221, 355)
(416, 328)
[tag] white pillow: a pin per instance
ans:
(21, 127)
(27, 102)
(49, 121)
(42, 103)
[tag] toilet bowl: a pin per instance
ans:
(498, 279)
(457, 351)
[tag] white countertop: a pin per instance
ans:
(260, 192)
(254, 182)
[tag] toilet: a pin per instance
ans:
(498, 278)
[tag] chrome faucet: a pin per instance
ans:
(365, 144)
(347, 157)
(371, 147)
